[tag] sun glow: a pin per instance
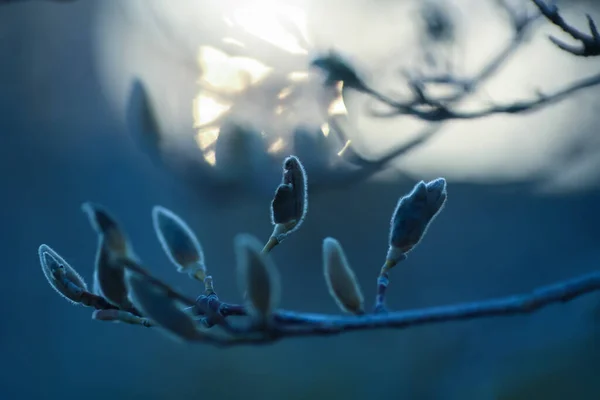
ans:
(337, 107)
(272, 22)
(229, 74)
(224, 78)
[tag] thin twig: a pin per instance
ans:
(590, 43)
(135, 267)
(438, 114)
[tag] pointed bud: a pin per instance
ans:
(120, 316)
(142, 121)
(412, 216)
(60, 275)
(258, 277)
(340, 278)
(105, 224)
(109, 276)
(337, 69)
(154, 303)
(290, 203)
(179, 242)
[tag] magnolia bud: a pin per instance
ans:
(120, 316)
(412, 216)
(142, 121)
(340, 278)
(179, 242)
(109, 276)
(290, 203)
(106, 225)
(336, 69)
(258, 277)
(60, 275)
(155, 304)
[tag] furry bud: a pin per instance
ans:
(413, 215)
(258, 277)
(179, 242)
(154, 303)
(340, 278)
(106, 225)
(60, 275)
(290, 203)
(109, 276)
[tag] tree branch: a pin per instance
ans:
(444, 108)
(210, 320)
(590, 43)
(438, 114)
(293, 324)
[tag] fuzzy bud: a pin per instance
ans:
(60, 275)
(258, 277)
(106, 225)
(120, 316)
(154, 303)
(179, 242)
(290, 203)
(412, 216)
(340, 278)
(109, 276)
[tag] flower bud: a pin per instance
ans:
(155, 304)
(340, 278)
(60, 275)
(106, 225)
(142, 121)
(412, 216)
(258, 277)
(336, 69)
(179, 242)
(120, 316)
(290, 203)
(109, 276)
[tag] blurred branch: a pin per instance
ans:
(427, 107)
(521, 23)
(590, 43)
(442, 113)
(210, 320)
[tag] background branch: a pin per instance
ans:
(590, 43)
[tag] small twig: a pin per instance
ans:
(172, 293)
(517, 107)
(382, 283)
(521, 24)
(590, 43)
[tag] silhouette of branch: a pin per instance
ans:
(440, 113)
(427, 107)
(521, 23)
(590, 43)
(210, 320)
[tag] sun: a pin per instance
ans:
(223, 77)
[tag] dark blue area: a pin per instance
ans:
(60, 146)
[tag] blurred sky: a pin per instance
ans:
(522, 212)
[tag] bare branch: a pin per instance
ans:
(290, 324)
(443, 108)
(438, 114)
(521, 23)
(210, 320)
(590, 43)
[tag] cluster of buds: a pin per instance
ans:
(124, 291)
